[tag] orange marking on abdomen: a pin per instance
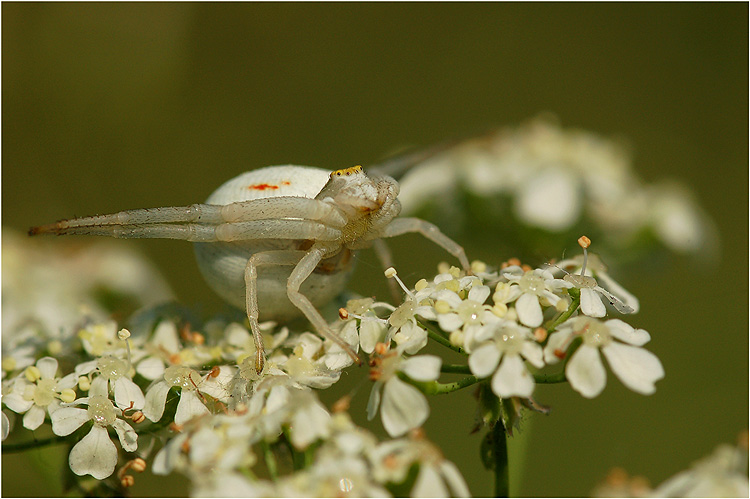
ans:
(286, 182)
(262, 187)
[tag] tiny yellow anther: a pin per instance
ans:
(68, 395)
(478, 267)
(500, 309)
(442, 307)
(420, 285)
(456, 338)
(84, 383)
(54, 347)
(32, 373)
(123, 334)
(9, 364)
(390, 272)
(584, 242)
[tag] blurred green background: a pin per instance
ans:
(114, 106)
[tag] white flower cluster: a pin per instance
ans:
(552, 178)
(512, 324)
(343, 459)
(229, 420)
(190, 399)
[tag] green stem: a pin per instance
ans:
(270, 459)
(500, 455)
(549, 379)
(32, 444)
(576, 295)
(435, 388)
(432, 333)
(455, 368)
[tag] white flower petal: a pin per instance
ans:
(15, 401)
(479, 293)
(422, 367)
(556, 342)
(451, 297)
(34, 418)
(205, 445)
(99, 386)
(66, 420)
(151, 368)
(403, 408)
(94, 455)
(426, 312)
(235, 334)
(47, 367)
(373, 403)
(156, 398)
(5, 426)
(454, 479)
(371, 332)
(529, 310)
(429, 483)
(637, 368)
(626, 333)
(483, 360)
(126, 433)
(533, 352)
(278, 397)
(591, 303)
(618, 291)
(189, 407)
(218, 386)
(167, 337)
(85, 367)
(585, 372)
(411, 338)
(449, 322)
(310, 344)
(69, 381)
(166, 459)
(550, 200)
(126, 392)
(512, 379)
(308, 424)
(550, 297)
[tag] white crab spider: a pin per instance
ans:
(300, 223)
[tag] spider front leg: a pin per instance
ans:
(301, 272)
(405, 225)
(278, 257)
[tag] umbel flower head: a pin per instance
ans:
(38, 392)
(618, 342)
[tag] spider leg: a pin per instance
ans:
(301, 272)
(209, 215)
(279, 257)
(405, 225)
(233, 231)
